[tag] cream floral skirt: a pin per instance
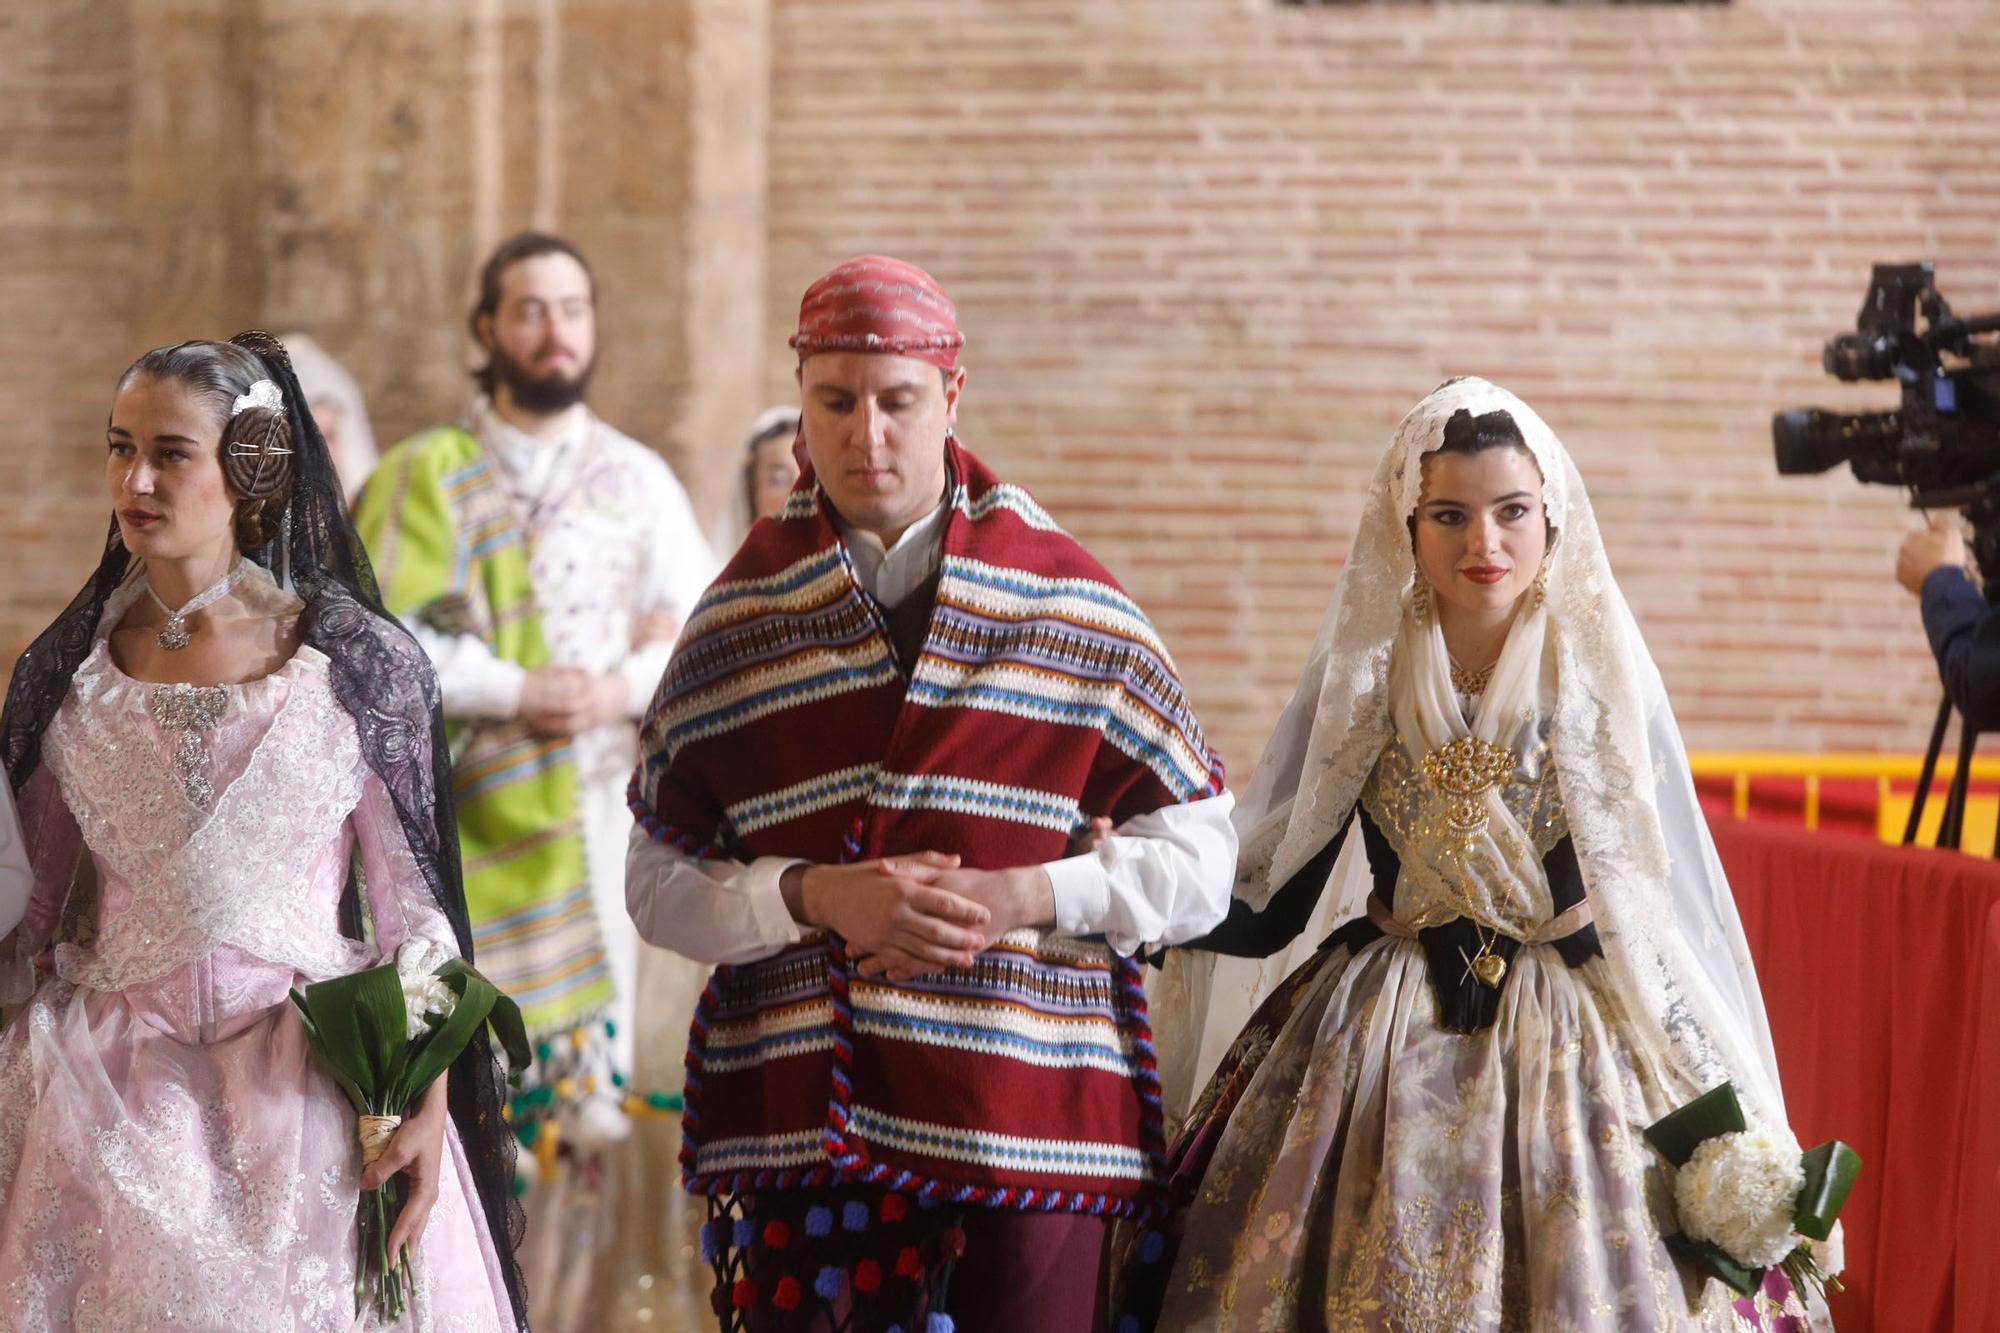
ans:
(1355, 1166)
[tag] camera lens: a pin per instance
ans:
(1805, 442)
(1860, 356)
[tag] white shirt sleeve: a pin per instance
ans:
(475, 680)
(1162, 878)
(710, 911)
(17, 877)
(642, 672)
(680, 564)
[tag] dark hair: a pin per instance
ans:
(520, 246)
(378, 675)
(1467, 434)
(256, 448)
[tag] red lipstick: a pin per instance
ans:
(1486, 574)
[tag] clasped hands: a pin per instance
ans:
(906, 916)
(565, 701)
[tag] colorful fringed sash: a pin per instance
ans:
(449, 550)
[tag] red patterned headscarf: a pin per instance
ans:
(876, 304)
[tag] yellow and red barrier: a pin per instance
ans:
(1869, 794)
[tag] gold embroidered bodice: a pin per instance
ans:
(1442, 875)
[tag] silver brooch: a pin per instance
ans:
(188, 711)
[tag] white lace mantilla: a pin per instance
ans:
(1663, 908)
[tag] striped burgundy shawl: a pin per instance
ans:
(784, 727)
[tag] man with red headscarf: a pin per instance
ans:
(875, 787)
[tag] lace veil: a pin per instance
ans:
(1671, 935)
(382, 679)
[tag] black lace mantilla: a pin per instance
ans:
(384, 681)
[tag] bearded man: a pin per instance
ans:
(545, 561)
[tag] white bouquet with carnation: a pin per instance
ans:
(1740, 1191)
(385, 1034)
(427, 1000)
(1748, 1199)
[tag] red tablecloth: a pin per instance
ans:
(1880, 967)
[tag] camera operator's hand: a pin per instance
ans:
(1929, 548)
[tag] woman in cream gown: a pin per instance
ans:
(1435, 1122)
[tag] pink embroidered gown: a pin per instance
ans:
(171, 1156)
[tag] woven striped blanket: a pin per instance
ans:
(784, 726)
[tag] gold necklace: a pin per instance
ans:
(1471, 682)
(1488, 968)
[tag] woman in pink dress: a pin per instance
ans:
(249, 751)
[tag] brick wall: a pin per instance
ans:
(1209, 251)
(69, 241)
(189, 168)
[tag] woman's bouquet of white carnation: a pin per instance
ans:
(1748, 1199)
(385, 1035)
(427, 1000)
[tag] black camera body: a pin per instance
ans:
(1943, 440)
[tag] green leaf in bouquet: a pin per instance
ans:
(504, 1015)
(360, 1022)
(378, 1040)
(1676, 1135)
(317, 1041)
(1831, 1169)
(1708, 1255)
(480, 1002)
(512, 1034)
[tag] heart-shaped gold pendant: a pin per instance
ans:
(1491, 969)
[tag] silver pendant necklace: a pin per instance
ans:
(173, 635)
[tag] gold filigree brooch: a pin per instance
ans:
(1463, 772)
